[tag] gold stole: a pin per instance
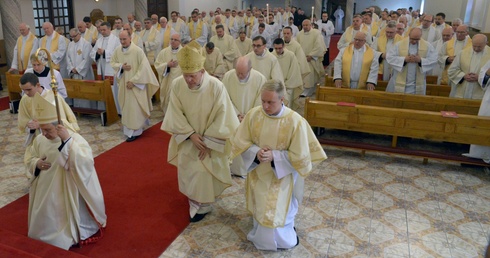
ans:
(401, 78)
(88, 36)
(166, 36)
(151, 37)
(382, 42)
(374, 29)
(350, 29)
(23, 58)
(231, 22)
(195, 34)
(450, 52)
(250, 19)
(54, 46)
(366, 65)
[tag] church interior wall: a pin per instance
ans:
(389, 4)
(110, 8)
(185, 7)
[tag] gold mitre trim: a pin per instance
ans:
(190, 58)
(45, 111)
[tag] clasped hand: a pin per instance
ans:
(413, 59)
(198, 141)
(265, 155)
(471, 77)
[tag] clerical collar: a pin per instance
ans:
(44, 73)
(263, 53)
(125, 49)
(246, 79)
(325, 21)
(280, 112)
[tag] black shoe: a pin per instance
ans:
(302, 96)
(132, 138)
(198, 217)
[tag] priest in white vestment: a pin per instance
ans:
(137, 83)
(312, 43)
(292, 73)
(356, 66)
(198, 29)
(292, 45)
(383, 44)
(447, 34)
(451, 48)
(101, 54)
(201, 119)
(463, 72)
(27, 44)
(56, 45)
(479, 151)
(411, 59)
(429, 33)
(327, 29)
(226, 45)
(244, 85)
(277, 164)
(168, 69)
(214, 63)
(27, 122)
(79, 64)
(263, 61)
(66, 203)
(243, 43)
(44, 74)
(150, 40)
(350, 32)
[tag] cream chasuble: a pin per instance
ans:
(266, 64)
(292, 77)
(66, 203)
(214, 63)
(268, 197)
(313, 45)
(136, 102)
(244, 46)
(228, 48)
(451, 48)
(166, 74)
(468, 61)
(296, 48)
(207, 111)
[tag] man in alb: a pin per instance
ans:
(66, 203)
(118, 23)
(440, 22)
(79, 64)
(163, 35)
(150, 40)
(243, 43)
(243, 84)
(86, 33)
(429, 32)
(312, 43)
(383, 44)
(290, 70)
(263, 61)
(43, 73)
(447, 34)
(463, 72)
(411, 59)
(451, 48)
(226, 45)
(327, 29)
(178, 25)
(27, 44)
(249, 22)
(91, 28)
(168, 69)
(198, 29)
(214, 63)
(27, 118)
(201, 119)
(230, 21)
(135, 39)
(479, 151)
(350, 32)
(56, 45)
(137, 84)
(356, 66)
(277, 164)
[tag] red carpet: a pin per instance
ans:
(145, 209)
(333, 50)
(4, 103)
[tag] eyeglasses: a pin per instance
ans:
(257, 46)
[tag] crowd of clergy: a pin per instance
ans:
(228, 56)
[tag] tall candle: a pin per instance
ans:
(267, 13)
(312, 12)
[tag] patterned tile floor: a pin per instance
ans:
(376, 205)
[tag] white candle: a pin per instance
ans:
(312, 12)
(267, 13)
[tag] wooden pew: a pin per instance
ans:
(427, 125)
(398, 100)
(79, 89)
(431, 89)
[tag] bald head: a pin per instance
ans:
(306, 25)
(415, 36)
(461, 32)
(81, 26)
(243, 67)
(447, 34)
(127, 27)
(479, 42)
(125, 38)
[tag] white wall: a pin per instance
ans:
(1, 31)
(110, 8)
(452, 8)
(390, 4)
(185, 7)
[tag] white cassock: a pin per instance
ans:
(356, 65)
(45, 80)
(267, 65)
(166, 74)
(59, 55)
(327, 29)
(21, 59)
(338, 14)
(437, 70)
(78, 57)
(479, 151)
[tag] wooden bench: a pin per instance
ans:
(431, 89)
(79, 89)
(399, 100)
(426, 125)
